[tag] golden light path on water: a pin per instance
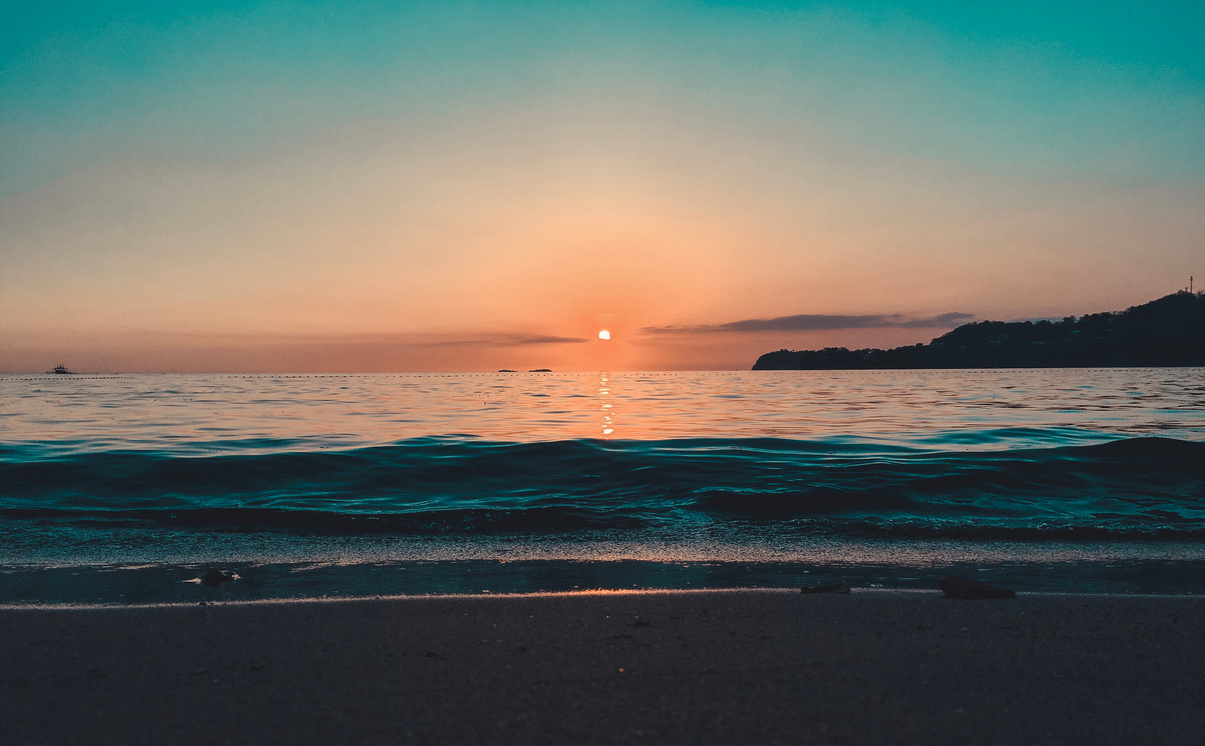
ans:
(605, 405)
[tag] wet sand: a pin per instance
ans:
(710, 667)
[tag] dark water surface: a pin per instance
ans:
(120, 488)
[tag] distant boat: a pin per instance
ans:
(61, 370)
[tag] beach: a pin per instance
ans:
(732, 666)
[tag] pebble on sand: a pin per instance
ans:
(214, 578)
(841, 587)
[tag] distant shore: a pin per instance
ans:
(1168, 332)
(662, 667)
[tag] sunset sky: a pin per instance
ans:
(358, 186)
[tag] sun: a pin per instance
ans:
(604, 334)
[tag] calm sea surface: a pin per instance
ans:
(119, 489)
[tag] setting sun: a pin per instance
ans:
(604, 334)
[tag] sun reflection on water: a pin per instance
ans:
(604, 405)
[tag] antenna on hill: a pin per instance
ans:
(1190, 283)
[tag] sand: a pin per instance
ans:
(711, 667)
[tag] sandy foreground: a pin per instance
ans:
(660, 667)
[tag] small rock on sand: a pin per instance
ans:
(840, 587)
(214, 578)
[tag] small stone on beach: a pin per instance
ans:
(841, 587)
(214, 578)
(962, 588)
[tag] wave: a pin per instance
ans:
(1138, 487)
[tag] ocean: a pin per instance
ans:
(126, 489)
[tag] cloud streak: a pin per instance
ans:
(813, 322)
(548, 341)
(493, 340)
(243, 339)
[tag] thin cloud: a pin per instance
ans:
(813, 322)
(505, 340)
(547, 341)
(368, 340)
(940, 320)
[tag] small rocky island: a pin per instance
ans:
(1169, 331)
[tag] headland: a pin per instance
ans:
(1169, 331)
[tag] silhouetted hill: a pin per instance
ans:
(1168, 331)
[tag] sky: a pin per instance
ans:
(364, 186)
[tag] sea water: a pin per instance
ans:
(121, 488)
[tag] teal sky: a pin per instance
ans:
(217, 168)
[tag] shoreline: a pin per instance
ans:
(685, 666)
(1145, 570)
(588, 592)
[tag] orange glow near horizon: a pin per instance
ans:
(527, 279)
